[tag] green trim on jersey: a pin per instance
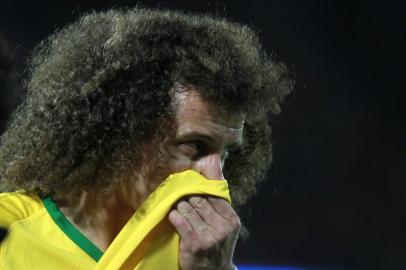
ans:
(70, 230)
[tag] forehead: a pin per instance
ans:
(189, 103)
(194, 113)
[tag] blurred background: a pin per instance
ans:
(336, 193)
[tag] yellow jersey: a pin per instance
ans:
(40, 237)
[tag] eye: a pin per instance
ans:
(194, 149)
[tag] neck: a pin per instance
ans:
(101, 222)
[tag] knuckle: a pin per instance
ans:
(181, 222)
(198, 202)
(186, 208)
(235, 222)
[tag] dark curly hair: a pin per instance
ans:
(100, 88)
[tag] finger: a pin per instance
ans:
(181, 225)
(221, 206)
(206, 211)
(219, 226)
(193, 218)
(224, 209)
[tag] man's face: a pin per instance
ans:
(201, 139)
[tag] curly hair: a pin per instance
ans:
(99, 88)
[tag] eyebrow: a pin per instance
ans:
(194, 135)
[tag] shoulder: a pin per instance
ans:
(15, 206)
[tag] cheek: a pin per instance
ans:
(166, 168)
(171, 161)
(175, 163)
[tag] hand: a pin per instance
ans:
(208, 229)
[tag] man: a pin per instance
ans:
(119, 101)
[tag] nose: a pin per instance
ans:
(210, 167)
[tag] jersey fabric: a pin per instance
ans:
(41, 237)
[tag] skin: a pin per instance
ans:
(208, 226)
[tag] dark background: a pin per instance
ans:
(336, 191)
